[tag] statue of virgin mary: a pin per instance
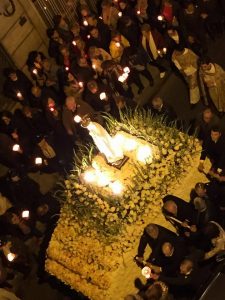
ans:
(104, 142)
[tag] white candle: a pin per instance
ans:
(77, 119)
(38, 160)
(19, 95)
(35, 71)
(102, 96)
(25, 214)
(85, 23)
(160, 18)
(74, 43)
(11, 256)
(126, 70)
(81, 84)
(117, 44)
(16, 147)
(138, 12)
(120, 14)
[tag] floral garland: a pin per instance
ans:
(95, 226)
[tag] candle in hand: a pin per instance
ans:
(102, 96)
(19, 95)
(38, 160)
(16, 148)
(35, 71)
(25, 214)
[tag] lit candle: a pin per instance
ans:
(38, 160)
(35, 71)
(138, 12)
(164, 50)
(67, 68)
(120, 14)
(25, 214)
(117, 44)
(19, 95)
(74, 43)
(85, 23)
(88, 36)
(100, 17)
(126, 70)
(102, 96)
(52, 108)
(146, 272)
(16, 148)
(94, 66)
(81, 84)
(77, 119)
(160, 18)
(11, 256)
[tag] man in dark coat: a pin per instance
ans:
(214, 148)
(154, 236)
(17, 86)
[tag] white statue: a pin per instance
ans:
(104, 142)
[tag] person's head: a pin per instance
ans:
(34, 58)
(116, 36)
(145, 29)
(82, 61)
(42, 209)
(79, 43)
(13, 218)
(152, 230)
(10, 73)
(59, 21)
(200, 189)
(84, 11)
(207, 115)
(106, 4)
(27, 111)
(6, 117)
(126, 21)
(157, 102)
(167, 249)
(189, 7)
(205, 63)
(154, 292)
(211, 231)
(70, 103)
(92, 20)
(64, 50)
(199, 204)
(93, 52)
(179, 49)
(120, 102)
(52, 34)
(170, 207)
(50, 102)
(122, 4)
(94, 32)
(215, 133)
(92, 86)
(36, 91)
(186, 266)
(75, 29)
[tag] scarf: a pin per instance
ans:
(150, 46)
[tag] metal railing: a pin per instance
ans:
(68, 8)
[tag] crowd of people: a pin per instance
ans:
(90, 69)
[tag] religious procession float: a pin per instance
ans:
(114, 190)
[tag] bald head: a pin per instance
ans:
(186, 266)
(157, 103)
(70, 103)
(167, 249)
(152, 230)
(170, 207)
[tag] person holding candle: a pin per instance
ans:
(98, 39)
(55, 41)
(130, 30)
(153, 42)
(16, 86)
(109, 14)
(117, 45)
(62, 27)
(97, 57)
